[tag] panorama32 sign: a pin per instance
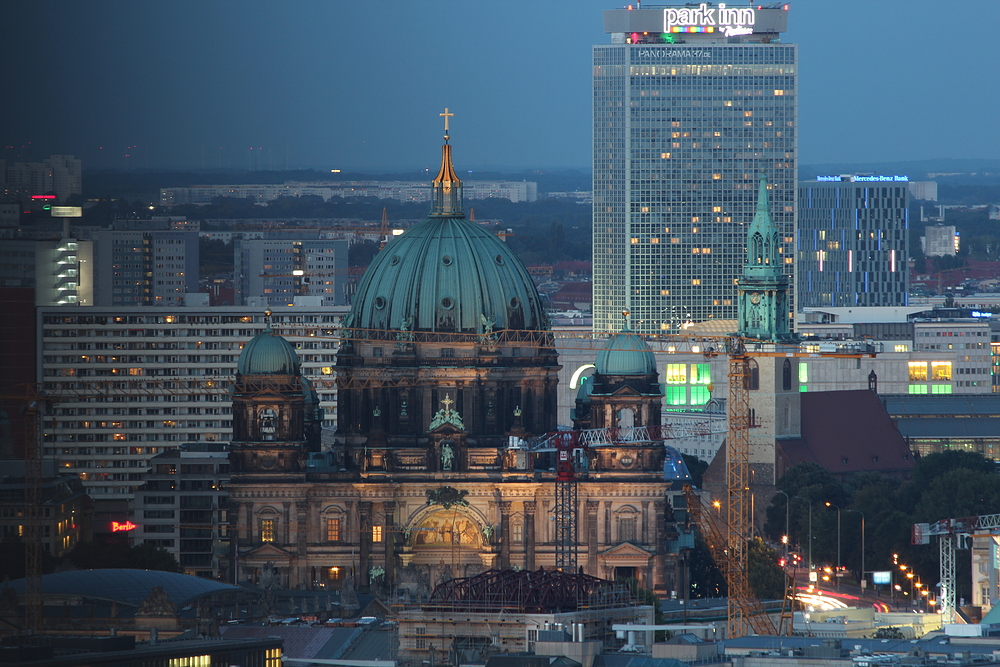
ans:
(706, 18)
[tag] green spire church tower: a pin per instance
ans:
(763, 289)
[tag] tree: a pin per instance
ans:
(91, 556)
(696, 467)
(889, 632)
(767, 579)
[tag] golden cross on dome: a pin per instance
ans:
(446, 117)
(447, 402)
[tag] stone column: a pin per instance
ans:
(645, 534)
(246, 526)
(301, 543)
(364, 546)
(286, 525)
(592, 507)
(504, 507)
(529, 534)
(659, 548)
(389, 509)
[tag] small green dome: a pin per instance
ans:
(268, 354)
(626, 354)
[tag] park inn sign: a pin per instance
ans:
(705, 16)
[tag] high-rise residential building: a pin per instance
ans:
(127, 382)
(690, 104)
(144, 268)
(853, 241)
(281, 269)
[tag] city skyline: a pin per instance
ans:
(359, 86)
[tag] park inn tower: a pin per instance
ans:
(691, 103)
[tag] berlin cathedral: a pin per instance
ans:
(447, 373)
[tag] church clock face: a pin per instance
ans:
(755, 298)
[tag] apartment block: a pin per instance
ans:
(126, 383)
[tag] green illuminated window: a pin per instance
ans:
(803, 389)
(700, 395)
(940, 388)
(700, 374)
(676, 373)
(803, 372)
(919, 389)
(676, 395)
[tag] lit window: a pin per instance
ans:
(676, 395)
(918, 389)
(700, 395)
(700, 374)
(940, 370)
(918, 372)
(902, 347)
(803, 372)
(376, 533)
(333, 530)
(677, 373)
(267, 530)
(940, 388)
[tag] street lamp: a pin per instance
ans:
(785, 538)
(862, 550)
(810, 531)
(909, 575)
(837, 574)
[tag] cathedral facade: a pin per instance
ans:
(447, 379)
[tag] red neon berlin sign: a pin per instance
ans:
(117, 527)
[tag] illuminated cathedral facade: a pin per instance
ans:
(447, 373)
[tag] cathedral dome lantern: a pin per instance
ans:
(447, 274)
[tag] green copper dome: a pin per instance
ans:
(626, 354)
(447, 274)
(267, 353)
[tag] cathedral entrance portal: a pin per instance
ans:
(448, 543)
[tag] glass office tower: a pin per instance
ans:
(690, 104)
(853, 241)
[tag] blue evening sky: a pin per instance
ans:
(360, 84)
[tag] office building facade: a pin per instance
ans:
(853, 241)
(182, 506)
(689, 106)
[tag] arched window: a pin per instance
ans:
(753, 375)
(267, 525)
(626, 418)
(757, 248)
(786, 375)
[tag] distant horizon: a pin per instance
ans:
(469, 174)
